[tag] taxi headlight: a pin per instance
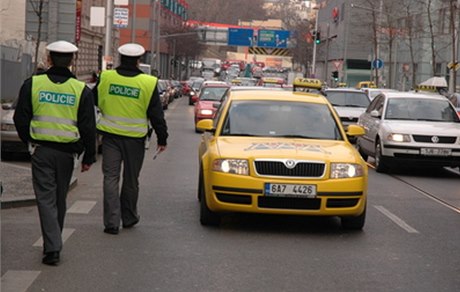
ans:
(235, 166)
(398, 137)
(206, 112)
(346, 170)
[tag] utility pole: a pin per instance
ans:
(455, 34)
(153, 25)
(133, 23)
(326, 57)
(108, 32)
(313, 62)
(157, 37)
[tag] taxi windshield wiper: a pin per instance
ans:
(294, 136)
(431, 120)
(243, 134)
(355, 105)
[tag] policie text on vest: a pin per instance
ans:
(57, 98)
(125, 91)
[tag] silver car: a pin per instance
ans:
(405, 128)
(10, 141)
(349, 104)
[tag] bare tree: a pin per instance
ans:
(301, 50)
(224, 11)
(410, 31)
(38, 7)
(452, 19)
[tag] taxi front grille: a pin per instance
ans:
(289, 203)
(301, 169)
(434, 139)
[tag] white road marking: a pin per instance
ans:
(396, 220)
(82, 207)
(66, 233)
(18, 281)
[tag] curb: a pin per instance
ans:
(26, 201)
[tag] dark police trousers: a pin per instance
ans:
(121, 204)
(51, 175)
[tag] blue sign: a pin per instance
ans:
(240, 37)
(377, 64)
(273, 38)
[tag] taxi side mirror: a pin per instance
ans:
(355, 130)
(375, 114)
(205, 125)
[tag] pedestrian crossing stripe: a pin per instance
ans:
(269, 51)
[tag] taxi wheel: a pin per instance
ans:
(354, 223)
(380, 165)
(207, 217)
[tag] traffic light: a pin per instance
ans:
(317, 38)
(335, 75)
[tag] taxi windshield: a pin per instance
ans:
(281, 119)
(420, 109)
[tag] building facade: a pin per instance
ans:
(150, 23)
(388, 42)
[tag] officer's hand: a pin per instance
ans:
(161, 148)
(85, 167)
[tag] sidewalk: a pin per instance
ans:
(17, 186)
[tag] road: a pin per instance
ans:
(410, 241)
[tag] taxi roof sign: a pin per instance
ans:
(272, 80)
(430, 88)
(307, 83)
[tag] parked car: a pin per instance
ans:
(280, 152)
(177, 88)
(185, 88)
(348, 102)
(415, 129)
(208, 101)
(164, 92)
(10, 141)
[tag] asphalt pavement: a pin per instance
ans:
(16, 181)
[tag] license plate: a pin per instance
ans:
(290, 190)
(436, 151)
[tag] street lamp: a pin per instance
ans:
(313, 62)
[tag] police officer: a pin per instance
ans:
(128, 100)
(55, 116)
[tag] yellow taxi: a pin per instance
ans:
(366, 84)
(280, 152)
(271, 82)
(311, 85)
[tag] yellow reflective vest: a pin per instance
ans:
(123, 102)
(55, 109)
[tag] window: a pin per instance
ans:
(281, 119)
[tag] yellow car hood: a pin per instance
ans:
(287, 148)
